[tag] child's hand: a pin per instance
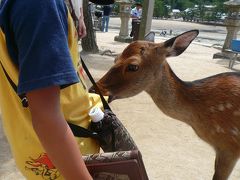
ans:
(81, 28)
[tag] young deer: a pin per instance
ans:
(211, 106)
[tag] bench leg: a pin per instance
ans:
(232, 61)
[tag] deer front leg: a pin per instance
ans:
(224, 164)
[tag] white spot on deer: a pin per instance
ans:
(236, 113)
(235, 131)
(235, 140)
(229, 105)
(221, 107)
(212, 109)
(219, 129)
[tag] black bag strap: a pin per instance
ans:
(104, 102)
(23, 98)
(78, 131)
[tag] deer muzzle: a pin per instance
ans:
(103, 91)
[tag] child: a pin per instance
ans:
(40, 54)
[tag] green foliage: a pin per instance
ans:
(158, 9)
(116, 8)
(184, 4)
(197, 9)
(161, 8)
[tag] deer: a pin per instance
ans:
(211, 106)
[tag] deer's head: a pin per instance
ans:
(139, 64)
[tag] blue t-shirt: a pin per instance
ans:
(36, 34)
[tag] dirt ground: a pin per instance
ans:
(170, 149)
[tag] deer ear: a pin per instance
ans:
(177, 45)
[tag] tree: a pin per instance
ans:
(184, 4)
(158, 9)
(161, 8)
(89, 43)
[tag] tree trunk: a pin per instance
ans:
(146, 20)
(89, 43)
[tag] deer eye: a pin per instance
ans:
(142, 50)
(133, 67)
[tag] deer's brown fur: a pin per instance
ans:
(211, 106)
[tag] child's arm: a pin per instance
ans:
(54, 133)
(82, 28)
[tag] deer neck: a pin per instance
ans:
(169, 94)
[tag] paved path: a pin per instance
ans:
(209, 34)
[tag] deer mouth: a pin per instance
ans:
(110, 97)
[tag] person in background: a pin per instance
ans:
(136, 14)
(39, 52)
(105, 19)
